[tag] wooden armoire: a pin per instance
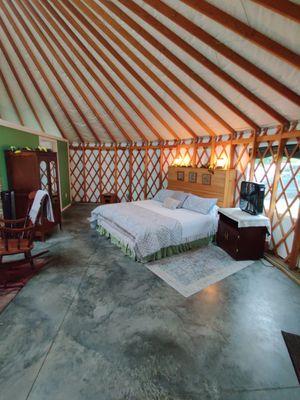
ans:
(28, 171)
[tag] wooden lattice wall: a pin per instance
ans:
(137, 172)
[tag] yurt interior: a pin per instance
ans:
(150, 206)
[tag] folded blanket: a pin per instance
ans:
(33, 213)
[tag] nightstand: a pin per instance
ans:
(242, 235)
(109, 198)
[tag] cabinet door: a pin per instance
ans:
(49, 182)
(44, 176)
(48, 177)
(53, 178)
(228, 238)
(22, 172)
(54, 189)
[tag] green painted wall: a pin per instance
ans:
(13, 137)
(62, 150)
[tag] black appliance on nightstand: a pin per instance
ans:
(252, 197)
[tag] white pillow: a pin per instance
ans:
(199, 204)
(162, 194)
(171, 203)
(181, 196)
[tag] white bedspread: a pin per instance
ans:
(193, 224)
(155, 228)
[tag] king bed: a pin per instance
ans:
(172, 222)
(147, 230)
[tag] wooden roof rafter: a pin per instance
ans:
(208, 39)
(18, 79)
(47, 59)
(172, 57)
(148, 71)
(124, 63)
(32, 80)
(74, 66)
(169, 74)
(245, 31)
(286, 8)
(99, 11)
(205, 62)
(35, 61)
(52, 17)
(100, 67)
(115, 68)
(11, 98)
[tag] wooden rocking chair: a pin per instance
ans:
(16, 236)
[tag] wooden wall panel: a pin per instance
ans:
(221, 187)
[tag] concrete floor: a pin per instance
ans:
(96, 325)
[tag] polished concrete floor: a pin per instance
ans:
(94, 325)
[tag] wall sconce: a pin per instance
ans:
(221, 163)
(182, 161)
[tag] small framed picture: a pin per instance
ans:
(193, 177)
(206, 179)
(180, 175)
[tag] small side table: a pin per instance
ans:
(109, 198)
(242, 235)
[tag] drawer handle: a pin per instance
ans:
(226, 234)
(237, 250)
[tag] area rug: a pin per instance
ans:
(190, 272)
(292, 342)
(13, 279)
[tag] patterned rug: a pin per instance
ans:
(190, 272)
(13, 279)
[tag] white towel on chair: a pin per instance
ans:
(33, 213)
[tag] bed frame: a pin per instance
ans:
(219, 184)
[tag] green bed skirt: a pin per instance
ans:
(162, 253)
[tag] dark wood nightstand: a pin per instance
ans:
(109, 198)
(242, 235)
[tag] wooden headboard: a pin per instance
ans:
(221, 183)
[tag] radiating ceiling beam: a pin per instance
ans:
(209, 40)
(99, 11)
(147, 54)
(53, 18)
(177, 61)
(101, 69)
(11, 98)
(127, 66)
(245, 31)
(19, 79)
(47, 59)
(207, 63)
(85, 10)
(144, 67)
(35, 61)
(286, 8)
(41, 23)
(87, 37)
(32, 80)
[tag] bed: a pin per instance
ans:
(145, 230)
(148, 230)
